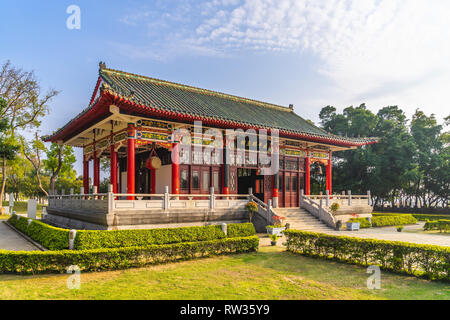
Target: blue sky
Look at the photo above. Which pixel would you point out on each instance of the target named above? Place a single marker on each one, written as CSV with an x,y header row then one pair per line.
x,y
310,53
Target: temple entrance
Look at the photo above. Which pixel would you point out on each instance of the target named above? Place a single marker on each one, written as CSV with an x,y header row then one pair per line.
x,y
248,178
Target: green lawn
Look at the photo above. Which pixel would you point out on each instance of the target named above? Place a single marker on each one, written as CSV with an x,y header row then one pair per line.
x,y
269,274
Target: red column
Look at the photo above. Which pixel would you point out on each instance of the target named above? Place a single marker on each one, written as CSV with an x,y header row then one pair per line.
x,y
131,160
97,172
153,181
329,176
113,168
307,176
225,172
175,168
86,174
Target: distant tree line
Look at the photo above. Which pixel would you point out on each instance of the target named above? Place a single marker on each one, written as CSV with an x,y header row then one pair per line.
x,y
410,163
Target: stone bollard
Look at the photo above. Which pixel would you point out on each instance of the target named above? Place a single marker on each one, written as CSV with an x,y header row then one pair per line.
x,y
29,221
225,228
72,235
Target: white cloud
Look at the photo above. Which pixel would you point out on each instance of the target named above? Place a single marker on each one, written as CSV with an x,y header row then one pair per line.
x,y
375,51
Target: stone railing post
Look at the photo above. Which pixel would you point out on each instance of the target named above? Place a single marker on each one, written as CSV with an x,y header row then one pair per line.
x,y
212,198
250,191
166,198
349,197
269,210
94,197
369,198
110,199
327,199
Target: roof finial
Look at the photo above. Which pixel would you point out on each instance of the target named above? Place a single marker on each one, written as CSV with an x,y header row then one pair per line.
x,y
102,65
291,106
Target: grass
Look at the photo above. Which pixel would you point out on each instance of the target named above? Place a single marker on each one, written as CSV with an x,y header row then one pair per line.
x,y
269,274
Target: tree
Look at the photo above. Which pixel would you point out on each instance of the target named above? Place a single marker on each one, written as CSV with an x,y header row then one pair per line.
x,y
59,162
22,107
32,151
8,147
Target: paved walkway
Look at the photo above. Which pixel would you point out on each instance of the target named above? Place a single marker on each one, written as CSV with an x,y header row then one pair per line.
x,y
11,240
386,233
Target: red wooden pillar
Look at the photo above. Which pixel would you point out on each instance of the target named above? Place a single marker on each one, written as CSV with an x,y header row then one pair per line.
x,y
86,174
96,172
153,181
113,168
131,161
307,176
329,175
175,168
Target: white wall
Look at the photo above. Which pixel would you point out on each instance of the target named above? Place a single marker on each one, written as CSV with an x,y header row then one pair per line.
x,y
124,183
163,178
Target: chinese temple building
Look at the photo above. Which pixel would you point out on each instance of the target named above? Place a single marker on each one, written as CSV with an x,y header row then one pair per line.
x,y
132,120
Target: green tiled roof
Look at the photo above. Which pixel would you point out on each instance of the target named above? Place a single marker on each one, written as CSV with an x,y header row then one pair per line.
x,y
194,101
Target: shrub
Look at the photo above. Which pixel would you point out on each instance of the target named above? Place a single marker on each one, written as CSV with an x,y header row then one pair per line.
x,y
33,262
393,220
50,237
400,228
419,217
415,259
441,225
335,207
58,239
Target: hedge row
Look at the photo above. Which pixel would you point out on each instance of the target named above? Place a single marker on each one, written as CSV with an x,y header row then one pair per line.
x,y
441,225
385,220
415,259
50,237
394,220
58,239
420,217
86,239
34,262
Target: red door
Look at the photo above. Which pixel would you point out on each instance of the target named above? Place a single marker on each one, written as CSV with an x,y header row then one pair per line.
x,y
291,189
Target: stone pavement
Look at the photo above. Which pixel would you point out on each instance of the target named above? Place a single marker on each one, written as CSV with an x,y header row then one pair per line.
x,y
11,240
386,233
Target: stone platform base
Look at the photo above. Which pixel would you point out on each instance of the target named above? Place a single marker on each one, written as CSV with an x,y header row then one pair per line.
x,y
142,220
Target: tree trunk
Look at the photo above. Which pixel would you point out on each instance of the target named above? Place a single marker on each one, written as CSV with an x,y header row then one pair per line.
x,y
56,172
2,192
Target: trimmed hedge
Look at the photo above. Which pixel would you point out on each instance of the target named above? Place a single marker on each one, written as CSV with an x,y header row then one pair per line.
x,y
393,220
48,236
87,239
420,217
34,262
441,225
430,261
58,239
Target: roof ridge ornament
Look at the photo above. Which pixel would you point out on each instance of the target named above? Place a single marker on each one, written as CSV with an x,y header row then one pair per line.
x,y
102,65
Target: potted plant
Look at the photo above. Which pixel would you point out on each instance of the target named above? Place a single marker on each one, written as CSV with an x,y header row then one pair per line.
x,y
353,224
399,228
334,207
277,226
274,239
251,207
